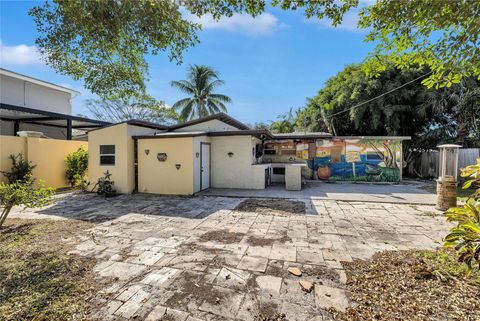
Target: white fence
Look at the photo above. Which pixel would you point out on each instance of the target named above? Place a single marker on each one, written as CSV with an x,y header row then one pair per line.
x,y
426,166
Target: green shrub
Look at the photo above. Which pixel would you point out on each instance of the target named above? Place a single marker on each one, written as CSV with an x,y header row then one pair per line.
x,y
21,169
77,165
465,237
24,192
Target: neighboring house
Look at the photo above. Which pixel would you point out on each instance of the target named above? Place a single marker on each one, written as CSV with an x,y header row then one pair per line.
x,y
219,151
29,104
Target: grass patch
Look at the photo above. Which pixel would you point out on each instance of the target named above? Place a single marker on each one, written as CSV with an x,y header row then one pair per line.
x,y
411,285
38,281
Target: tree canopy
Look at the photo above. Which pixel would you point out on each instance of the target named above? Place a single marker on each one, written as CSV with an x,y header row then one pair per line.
x,y
202,100
429,116
104,42
142,108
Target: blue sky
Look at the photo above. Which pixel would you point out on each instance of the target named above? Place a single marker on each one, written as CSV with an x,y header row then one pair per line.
x,y
269,64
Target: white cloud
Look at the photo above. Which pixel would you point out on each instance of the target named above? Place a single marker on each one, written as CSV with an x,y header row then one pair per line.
x,y
19,55
349,21
261,25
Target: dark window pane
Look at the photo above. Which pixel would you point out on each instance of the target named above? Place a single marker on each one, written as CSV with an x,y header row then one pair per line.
x,y
107,149
107,160
279,170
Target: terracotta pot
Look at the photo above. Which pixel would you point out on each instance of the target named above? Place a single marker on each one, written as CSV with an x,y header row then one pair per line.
x,y
324,172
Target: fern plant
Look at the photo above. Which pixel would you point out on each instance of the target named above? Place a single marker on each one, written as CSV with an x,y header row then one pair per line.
x,y
465,237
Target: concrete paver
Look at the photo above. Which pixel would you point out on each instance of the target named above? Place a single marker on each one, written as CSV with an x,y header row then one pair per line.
x,y
151,250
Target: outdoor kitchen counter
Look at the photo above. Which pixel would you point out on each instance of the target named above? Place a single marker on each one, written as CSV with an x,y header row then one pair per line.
x,y
293,176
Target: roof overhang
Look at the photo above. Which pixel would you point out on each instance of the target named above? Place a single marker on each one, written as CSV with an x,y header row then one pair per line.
x,y
46,118
261,134
375,137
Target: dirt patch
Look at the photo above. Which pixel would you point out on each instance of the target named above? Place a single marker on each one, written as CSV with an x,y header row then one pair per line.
x,y
322,273
38,279
261,241
268,311
221,236
192,289
271,206
411,285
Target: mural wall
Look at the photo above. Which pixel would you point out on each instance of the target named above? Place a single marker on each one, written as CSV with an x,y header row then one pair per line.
x,y
367,160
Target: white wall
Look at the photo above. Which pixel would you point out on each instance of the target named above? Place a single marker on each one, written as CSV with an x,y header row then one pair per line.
x,y
25,94
238,171
209,126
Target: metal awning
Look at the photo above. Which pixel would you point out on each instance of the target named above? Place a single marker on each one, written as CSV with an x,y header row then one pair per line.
x,y
18,114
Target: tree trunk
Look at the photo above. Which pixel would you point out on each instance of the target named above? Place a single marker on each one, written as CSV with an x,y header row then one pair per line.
x,y
4,214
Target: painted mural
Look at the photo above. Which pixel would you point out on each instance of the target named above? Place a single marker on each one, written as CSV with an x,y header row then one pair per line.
x,y
366,160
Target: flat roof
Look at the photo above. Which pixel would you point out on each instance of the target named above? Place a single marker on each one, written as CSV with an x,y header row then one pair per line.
x,y
375,137
46,118
302,135
256,133
37,81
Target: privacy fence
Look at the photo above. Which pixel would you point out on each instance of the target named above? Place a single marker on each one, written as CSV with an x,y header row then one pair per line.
x,y
47,154
426,166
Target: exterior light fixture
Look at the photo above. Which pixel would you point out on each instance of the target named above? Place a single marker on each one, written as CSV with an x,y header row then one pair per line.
x,y
177,166
147,151
230,154
197,154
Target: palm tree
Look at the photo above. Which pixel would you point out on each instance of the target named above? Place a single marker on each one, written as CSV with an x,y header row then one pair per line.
x,y
200,84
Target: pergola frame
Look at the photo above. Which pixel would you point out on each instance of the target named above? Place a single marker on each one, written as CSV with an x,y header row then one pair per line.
x,y
47,118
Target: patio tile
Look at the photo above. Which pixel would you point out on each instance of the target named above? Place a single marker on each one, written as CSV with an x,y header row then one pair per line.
x,y
147,253
269,283
122,270
227,304
252,263
330,297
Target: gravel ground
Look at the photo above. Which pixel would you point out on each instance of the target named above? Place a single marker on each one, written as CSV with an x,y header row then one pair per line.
x,y
411,285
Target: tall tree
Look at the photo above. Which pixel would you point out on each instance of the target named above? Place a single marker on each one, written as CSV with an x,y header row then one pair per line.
x,y
285,122
202,101
144,108
104,42
348,105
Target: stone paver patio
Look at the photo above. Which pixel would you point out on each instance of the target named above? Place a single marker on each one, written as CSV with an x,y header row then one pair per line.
x,y
195,258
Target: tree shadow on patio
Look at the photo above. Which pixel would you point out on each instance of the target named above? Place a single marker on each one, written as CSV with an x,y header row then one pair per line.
x,y
94,208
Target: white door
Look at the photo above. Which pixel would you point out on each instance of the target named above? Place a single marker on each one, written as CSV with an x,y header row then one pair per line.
x,y
205,166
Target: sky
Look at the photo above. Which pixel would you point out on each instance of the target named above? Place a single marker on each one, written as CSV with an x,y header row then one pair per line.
x,y
269,64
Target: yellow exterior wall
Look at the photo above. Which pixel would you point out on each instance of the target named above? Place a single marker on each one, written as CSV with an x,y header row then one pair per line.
x,y
10,145
163,177
123,170
47,154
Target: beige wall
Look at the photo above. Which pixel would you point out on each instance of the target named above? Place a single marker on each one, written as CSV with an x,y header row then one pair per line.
x,y
209,126
123,172
163,177
47,154
10,145
238,171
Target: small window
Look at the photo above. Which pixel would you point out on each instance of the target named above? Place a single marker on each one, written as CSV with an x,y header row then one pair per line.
x,y
107,154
